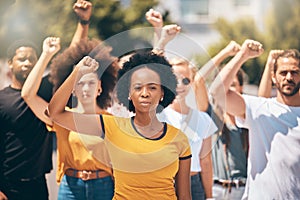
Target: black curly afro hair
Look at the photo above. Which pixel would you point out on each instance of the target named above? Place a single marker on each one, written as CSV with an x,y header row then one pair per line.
x,y
152,61
62,65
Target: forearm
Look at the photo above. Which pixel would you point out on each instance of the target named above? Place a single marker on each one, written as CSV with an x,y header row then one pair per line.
x,y
201,94
81,33
213,64
207,175
265,86
61,96
33,81
225,77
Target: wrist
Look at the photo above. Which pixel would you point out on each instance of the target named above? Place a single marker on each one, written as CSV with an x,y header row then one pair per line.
x,y
84,22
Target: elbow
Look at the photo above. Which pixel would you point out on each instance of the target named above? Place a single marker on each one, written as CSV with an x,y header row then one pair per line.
x,y
25,96
51,112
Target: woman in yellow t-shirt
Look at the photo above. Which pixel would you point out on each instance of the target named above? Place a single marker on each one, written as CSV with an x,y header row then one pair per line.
x,y
150,159
80,175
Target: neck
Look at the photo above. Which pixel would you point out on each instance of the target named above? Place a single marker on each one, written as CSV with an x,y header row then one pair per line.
x,y
88,109
145,119
289,100
16,84
148,126
229,118
180,106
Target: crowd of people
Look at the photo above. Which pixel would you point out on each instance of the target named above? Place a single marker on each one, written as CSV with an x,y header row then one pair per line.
x,y
125,128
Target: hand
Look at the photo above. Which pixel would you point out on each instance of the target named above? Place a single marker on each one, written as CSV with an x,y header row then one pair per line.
x,y
3,196
154,18
168,33
51,45
232,48
83,9
87,65
251,49
273,54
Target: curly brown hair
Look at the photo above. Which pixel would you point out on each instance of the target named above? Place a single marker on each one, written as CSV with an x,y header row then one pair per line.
x,y
62,65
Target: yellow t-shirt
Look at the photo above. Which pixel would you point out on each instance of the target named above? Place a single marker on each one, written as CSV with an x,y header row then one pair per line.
x,y
76,151
143,168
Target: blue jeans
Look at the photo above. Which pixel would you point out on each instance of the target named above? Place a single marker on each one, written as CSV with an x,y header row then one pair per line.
x,y
197,189
72,188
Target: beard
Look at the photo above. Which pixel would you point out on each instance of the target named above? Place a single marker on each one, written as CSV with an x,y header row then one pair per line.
x,y
21,77
289,93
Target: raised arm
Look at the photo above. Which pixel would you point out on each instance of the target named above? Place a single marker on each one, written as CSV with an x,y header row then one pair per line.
x,y
168,33
51,46
199,80
82,123
83,10
265,85
155,19
230,101
230,50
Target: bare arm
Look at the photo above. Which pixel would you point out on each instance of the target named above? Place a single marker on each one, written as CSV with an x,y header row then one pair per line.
x,y
78,122
3,196
183,180
199,80
230,101
155,19
83,10
206,167
51,45
168,33
265,85
230,50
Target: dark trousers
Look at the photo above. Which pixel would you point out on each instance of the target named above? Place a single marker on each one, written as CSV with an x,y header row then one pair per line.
x,y
26,189
197,189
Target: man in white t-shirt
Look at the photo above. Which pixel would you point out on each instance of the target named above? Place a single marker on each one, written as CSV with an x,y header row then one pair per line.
x,y
273,123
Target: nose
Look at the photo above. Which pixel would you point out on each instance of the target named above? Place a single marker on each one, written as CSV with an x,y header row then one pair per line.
x,y
145,92
85,87
289,76
27,62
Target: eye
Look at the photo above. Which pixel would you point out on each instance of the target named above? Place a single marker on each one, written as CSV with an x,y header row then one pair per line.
x,y
80,84
92,83
283,73
295,73
137,88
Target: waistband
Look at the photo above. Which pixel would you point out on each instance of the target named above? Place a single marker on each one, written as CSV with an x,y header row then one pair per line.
x,y
86,174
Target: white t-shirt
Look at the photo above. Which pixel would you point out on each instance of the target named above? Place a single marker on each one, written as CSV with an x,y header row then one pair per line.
x,y
199,127
274,154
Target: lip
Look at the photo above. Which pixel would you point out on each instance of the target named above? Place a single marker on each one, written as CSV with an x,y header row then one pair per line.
x,y
24,68
289,85
86,95
145,103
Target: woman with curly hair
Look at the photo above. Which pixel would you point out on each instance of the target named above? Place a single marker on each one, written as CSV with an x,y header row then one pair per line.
x,y
79,173
148,157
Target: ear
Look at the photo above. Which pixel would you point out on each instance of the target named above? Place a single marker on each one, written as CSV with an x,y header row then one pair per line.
x,y
10,64
273,79
99,86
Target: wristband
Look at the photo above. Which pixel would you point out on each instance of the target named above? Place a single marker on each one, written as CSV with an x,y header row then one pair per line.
x,y
84,22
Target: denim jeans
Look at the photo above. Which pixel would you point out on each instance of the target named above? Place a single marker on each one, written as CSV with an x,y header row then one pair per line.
x,y
197,187
72,188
